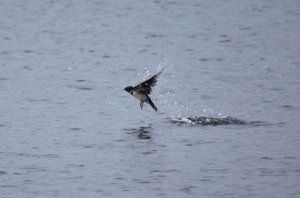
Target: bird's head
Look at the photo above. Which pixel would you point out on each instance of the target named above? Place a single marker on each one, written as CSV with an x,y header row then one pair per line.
x,y
129,89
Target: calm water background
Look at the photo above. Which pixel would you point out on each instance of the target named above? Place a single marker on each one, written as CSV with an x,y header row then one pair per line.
x,y
67,128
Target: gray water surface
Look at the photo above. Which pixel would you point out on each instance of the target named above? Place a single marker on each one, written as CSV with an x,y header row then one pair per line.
x,y
67,128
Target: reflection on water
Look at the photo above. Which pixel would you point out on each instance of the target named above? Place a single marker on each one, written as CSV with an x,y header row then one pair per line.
x,y
142,133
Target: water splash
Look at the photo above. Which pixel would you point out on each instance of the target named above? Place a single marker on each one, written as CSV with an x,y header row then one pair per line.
x,y
162,65
214,121
148,72
178,113
208,121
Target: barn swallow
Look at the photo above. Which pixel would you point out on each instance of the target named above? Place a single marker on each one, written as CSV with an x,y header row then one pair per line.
x,y
143,90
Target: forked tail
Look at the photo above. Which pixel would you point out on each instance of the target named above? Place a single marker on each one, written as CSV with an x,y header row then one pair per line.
x,y
151,103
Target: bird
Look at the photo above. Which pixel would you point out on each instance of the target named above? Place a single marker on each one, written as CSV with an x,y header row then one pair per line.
x,y
143,90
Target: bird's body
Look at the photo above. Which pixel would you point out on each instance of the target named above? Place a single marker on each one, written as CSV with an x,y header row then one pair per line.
x,y
139,95
142,91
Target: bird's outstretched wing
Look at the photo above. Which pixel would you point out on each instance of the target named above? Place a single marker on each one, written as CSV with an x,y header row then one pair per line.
x,y
147,85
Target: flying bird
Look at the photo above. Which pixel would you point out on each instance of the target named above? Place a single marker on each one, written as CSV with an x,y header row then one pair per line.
x,y
143,90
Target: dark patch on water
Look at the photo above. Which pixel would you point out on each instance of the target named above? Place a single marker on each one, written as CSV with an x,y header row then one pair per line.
x,y
83,88
75,129
36,100
143,50
204,59
50,156
207,97
244,28
3,79
290,107
267,158
187,189
8,186
105,56
214,121
154,35
224,41
7,38
5,52
27,67
287,106
28,51
3,173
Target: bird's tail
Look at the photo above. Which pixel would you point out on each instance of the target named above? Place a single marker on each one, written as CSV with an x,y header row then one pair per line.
x,y
151,103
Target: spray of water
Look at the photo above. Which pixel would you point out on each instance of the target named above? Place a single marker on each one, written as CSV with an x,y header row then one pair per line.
x,y
167,100
171,107
173,110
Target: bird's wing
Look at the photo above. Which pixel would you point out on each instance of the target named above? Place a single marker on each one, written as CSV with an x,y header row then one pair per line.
x,y
147,85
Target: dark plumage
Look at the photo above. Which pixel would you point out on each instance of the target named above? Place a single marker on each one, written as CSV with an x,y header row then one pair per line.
x,y
143,90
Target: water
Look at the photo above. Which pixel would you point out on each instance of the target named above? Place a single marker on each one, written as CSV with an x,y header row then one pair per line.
x,y
69,130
